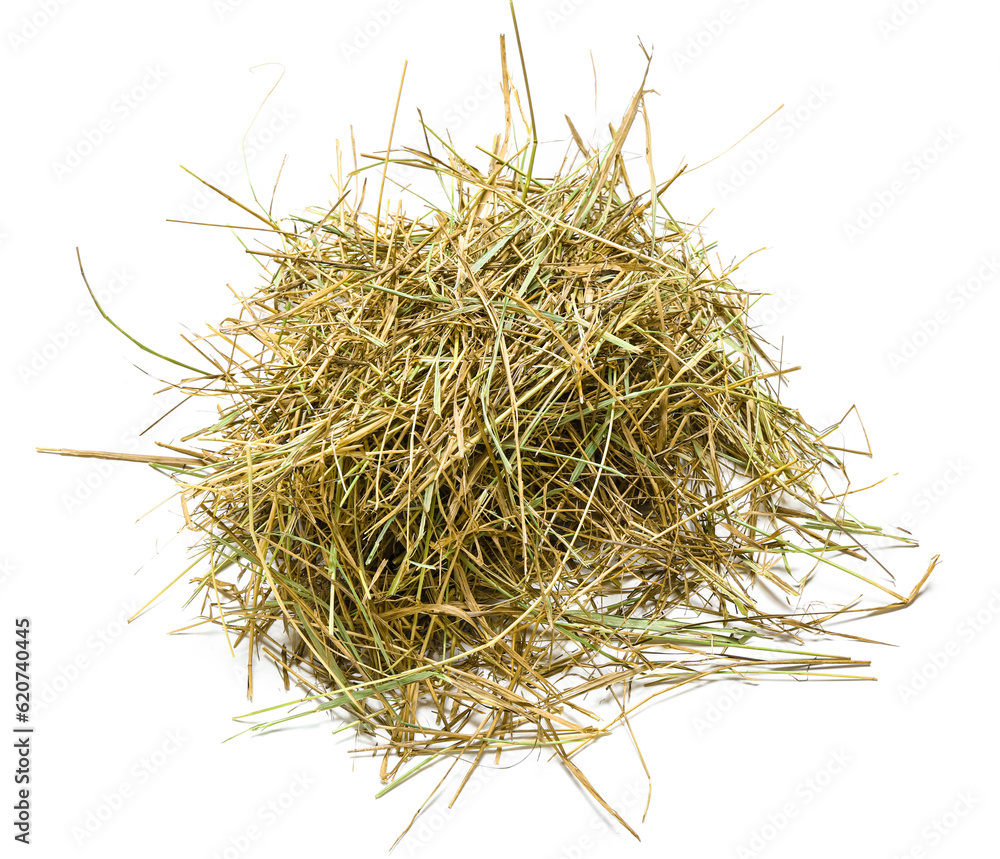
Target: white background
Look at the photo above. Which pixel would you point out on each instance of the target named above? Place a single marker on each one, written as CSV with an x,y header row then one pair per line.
x,y
130,722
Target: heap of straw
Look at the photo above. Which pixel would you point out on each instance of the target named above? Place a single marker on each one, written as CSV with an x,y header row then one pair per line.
x,y
476,464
